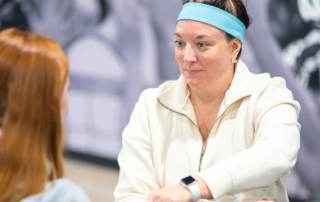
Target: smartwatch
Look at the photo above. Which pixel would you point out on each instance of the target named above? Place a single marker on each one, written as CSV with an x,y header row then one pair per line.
x,y
193,186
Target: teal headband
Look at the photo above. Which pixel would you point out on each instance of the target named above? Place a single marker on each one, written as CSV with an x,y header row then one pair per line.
x,y
213,16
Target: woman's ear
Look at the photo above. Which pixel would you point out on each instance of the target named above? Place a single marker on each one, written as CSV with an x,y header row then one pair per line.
x,y
235,47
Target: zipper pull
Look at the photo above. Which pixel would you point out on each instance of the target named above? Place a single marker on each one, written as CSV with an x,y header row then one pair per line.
x,y
202,153
201,157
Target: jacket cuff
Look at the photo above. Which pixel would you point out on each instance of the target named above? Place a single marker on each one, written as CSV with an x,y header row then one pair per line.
x,y
218,180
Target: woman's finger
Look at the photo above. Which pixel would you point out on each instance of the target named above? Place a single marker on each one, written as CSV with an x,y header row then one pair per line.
x,y
149,199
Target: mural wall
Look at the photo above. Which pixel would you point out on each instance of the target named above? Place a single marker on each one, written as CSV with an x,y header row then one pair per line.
x,y
117,48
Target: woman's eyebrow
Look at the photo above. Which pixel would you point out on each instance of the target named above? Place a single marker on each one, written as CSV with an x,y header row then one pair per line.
x,y
176,34
198,37
202,36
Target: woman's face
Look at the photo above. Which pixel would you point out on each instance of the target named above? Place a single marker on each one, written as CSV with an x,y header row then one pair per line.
x,y
204,55
65,100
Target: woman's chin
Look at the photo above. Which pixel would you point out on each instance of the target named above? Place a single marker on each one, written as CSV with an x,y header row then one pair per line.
x,y
194,83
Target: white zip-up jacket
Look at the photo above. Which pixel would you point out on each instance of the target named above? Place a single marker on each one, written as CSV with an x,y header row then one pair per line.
x,y
250,149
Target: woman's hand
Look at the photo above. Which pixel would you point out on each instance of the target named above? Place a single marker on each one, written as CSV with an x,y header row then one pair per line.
x,y
262,200
176,193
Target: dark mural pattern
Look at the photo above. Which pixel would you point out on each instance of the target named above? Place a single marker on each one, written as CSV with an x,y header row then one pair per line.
x,y
117,48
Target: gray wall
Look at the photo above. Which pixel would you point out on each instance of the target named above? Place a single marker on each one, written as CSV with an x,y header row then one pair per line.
x,y
117,48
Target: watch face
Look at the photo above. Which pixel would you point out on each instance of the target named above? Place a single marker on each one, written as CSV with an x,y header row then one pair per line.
x,y
188,180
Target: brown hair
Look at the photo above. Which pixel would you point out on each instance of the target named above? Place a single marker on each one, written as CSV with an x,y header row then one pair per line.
x,y
234,7
33,71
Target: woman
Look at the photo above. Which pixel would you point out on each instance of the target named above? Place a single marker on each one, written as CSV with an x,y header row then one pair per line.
x,y
219,132
33,104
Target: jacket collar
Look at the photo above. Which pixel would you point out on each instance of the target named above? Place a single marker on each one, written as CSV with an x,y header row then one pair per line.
x,y
176,97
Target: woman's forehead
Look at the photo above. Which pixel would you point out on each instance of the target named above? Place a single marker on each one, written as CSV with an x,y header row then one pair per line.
x,y
189,28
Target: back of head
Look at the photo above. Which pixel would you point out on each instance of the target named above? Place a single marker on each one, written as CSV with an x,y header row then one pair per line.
x,y
33,70
234,7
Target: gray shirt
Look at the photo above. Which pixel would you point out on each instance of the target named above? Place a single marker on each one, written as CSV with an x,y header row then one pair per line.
x,y
62,191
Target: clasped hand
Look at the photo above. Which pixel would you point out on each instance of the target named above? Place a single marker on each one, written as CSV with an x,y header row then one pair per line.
x,y
178,193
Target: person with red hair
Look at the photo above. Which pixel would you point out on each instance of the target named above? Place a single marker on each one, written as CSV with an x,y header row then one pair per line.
x,y
33,105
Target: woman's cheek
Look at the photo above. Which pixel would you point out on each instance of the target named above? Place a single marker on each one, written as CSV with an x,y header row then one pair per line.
x,y
180,57
214,57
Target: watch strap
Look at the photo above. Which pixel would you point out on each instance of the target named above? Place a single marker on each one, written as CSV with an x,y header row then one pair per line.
x,y
195,191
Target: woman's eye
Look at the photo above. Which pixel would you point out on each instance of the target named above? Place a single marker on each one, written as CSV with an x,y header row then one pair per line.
x,y
202,45
179,43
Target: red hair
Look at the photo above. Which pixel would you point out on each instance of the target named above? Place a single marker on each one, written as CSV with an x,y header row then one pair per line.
x,y
33,72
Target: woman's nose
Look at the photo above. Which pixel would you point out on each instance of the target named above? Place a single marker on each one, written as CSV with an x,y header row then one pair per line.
x,y
189,54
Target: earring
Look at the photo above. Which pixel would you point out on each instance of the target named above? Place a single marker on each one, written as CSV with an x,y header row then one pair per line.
x,y
234,60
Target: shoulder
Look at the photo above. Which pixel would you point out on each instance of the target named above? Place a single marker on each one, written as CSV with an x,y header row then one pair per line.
x,y
151,95
272,92
62,184
272,89
62,190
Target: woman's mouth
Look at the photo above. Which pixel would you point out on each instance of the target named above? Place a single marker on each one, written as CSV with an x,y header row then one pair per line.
x,y
192,72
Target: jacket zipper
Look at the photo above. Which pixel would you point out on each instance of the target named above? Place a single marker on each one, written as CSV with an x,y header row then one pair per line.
x,y
202,152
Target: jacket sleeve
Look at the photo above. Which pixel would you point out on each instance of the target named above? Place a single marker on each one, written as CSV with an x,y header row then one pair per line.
x,y
137,173
276,141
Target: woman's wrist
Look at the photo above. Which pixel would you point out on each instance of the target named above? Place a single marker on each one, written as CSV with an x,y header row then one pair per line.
x,y
205,191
